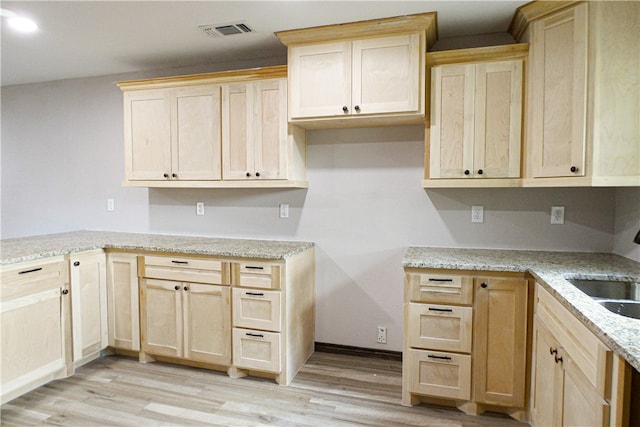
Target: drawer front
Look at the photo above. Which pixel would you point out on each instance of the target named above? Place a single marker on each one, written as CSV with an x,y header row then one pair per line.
x,y
446,375
440,327
184,269
256,309
256,275
26,278
257,350
589,354
440,288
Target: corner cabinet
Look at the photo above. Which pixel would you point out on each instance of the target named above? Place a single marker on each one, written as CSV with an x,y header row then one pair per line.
x,y
474,138
36,325
576,379
123,301
465,340
373,74
583,98
226,129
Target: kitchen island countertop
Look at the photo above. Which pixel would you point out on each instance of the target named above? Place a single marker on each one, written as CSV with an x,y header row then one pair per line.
x,y
36,247
551,270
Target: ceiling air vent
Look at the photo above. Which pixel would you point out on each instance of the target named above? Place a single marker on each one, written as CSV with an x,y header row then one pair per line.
x,y
221,30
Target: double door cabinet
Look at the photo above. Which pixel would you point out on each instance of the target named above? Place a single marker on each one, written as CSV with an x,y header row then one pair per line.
x,y
212,130
465,341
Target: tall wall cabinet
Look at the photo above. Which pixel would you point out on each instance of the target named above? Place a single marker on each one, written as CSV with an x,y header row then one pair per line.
x,y
226,129
583,98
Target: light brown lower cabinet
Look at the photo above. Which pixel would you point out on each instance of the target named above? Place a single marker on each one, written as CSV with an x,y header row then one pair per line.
x,y
36,325
123,301
576,379
465,340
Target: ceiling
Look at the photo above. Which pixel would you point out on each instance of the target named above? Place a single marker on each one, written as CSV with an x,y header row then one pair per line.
x,y
93,38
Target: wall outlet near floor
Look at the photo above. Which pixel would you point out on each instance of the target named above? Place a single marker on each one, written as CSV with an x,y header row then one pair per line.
x,y
199,208
557,214
382,334
111,205
477,213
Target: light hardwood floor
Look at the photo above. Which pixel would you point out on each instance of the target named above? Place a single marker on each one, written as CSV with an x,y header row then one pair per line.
x,y
330,390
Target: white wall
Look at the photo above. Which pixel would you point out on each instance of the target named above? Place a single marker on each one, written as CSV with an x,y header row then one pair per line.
x,y
627,223
62,157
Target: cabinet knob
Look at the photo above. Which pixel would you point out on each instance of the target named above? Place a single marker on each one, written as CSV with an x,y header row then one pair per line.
x,y
574,169
65,291
176,287
166,175
345,109
357,108
483,285
480,171
553,351
173,175
467,172
186,288
558,359
257,173
248,174
76,263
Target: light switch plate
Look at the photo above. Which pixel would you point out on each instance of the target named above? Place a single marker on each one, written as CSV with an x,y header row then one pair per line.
x,y
199,208
111,205
284,210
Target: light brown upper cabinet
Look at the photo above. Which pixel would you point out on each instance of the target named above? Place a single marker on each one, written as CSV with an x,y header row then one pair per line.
x,y
359,74
474,138
225,129
255,137
583,103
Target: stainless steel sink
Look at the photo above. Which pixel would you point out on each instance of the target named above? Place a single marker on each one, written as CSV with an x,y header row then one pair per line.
x,y
625,307
617,296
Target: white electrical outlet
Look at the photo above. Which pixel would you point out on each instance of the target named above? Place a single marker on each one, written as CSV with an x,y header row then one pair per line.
x,y
382,334
111,205
477,213
557,214
284,210
199,208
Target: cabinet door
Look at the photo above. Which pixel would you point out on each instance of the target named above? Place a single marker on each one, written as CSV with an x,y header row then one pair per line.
x,y
207,323
147,137
500,341
257,309
497,118
446,375
237,133
452,130
88,304
440,327
582,405
270,129
196,142
161,319
546,378
386,75
122,296
257,350
557,95
320,80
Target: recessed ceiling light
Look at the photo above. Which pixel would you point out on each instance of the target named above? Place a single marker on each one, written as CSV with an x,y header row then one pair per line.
x,y
19,23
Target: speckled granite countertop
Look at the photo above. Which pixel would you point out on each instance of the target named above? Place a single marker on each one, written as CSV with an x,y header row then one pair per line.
x,y
36,247
551,269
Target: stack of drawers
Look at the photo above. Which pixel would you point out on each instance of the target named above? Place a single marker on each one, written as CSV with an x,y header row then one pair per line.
x,y
439,321
257,317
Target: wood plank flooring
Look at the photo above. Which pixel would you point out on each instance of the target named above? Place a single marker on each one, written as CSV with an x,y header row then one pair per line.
x,y
330,390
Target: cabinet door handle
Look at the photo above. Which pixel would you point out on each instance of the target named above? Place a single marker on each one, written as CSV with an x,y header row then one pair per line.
x,y
255,294
467,171
76,263
249,334
248,174
345,109
553,351
444,310
176,287
33,270
431,279
252,267
484,285
186,288
173,175
431,356
65,291
180,262
166,175
480,171
257,173
558,359
574,169
357,108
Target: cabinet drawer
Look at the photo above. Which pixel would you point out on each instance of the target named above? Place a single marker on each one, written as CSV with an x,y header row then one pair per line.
x,y
257,350
184,269
589,354
440,327
256,275
256,309
26,278
440,288
439,374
